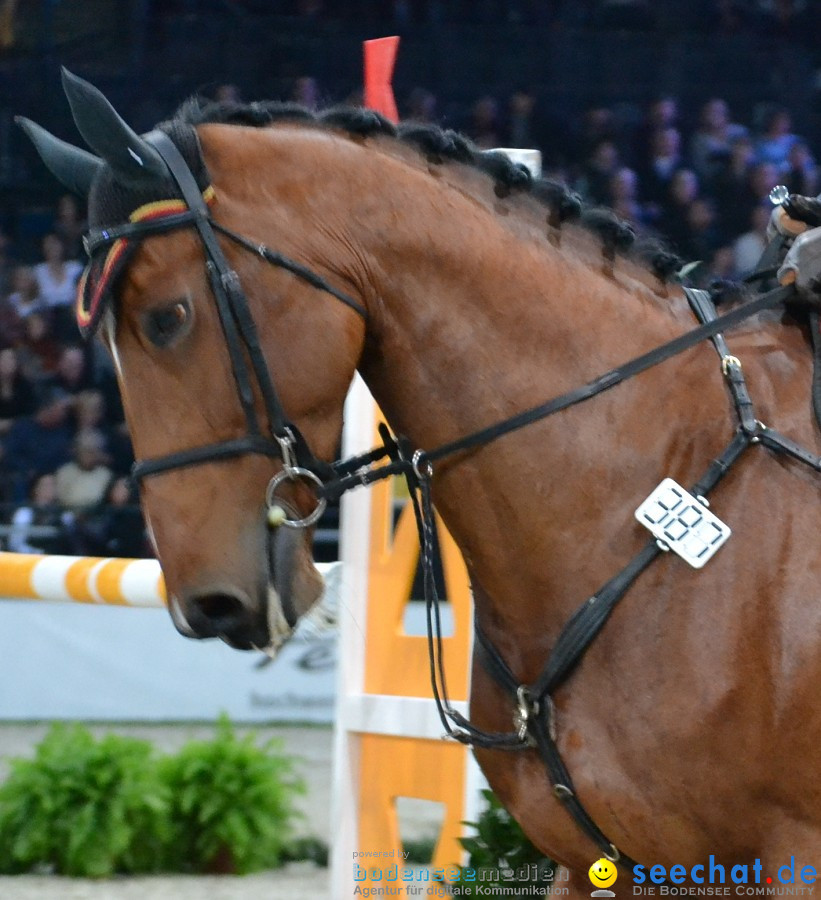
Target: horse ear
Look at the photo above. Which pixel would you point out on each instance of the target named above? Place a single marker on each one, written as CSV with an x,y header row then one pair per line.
x,y
132,158
74,167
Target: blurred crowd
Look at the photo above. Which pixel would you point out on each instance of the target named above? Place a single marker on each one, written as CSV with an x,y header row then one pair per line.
x,y
64,451
788,18
699,179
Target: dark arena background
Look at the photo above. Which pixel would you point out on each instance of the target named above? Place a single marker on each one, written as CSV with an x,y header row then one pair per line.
x,y
681,115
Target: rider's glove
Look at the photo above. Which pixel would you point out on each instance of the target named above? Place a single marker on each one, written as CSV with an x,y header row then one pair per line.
x,y
804,209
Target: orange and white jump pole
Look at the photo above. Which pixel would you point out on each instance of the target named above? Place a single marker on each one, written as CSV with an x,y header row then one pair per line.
x,y
83,579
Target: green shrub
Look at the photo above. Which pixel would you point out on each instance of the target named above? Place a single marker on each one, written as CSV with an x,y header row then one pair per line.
x,y
84,807
232,803
306,849
500,843
419,850
90,808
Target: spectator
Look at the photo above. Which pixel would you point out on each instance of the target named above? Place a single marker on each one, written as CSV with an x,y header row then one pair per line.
x,y
90,413
763,178
776,140
16,392
25,295
521,122
597,172
661,114
39,351
730,187
70,226
422,106
72,375
83,481
737,206
484,123
306,92
748,247
598,125
57,280
38,444
802,171
40,526
664,160
701,239
684,189
56,277
713,139
624,197
115,527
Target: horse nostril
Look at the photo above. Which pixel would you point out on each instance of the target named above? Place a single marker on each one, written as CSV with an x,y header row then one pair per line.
x,y
219,607
225,615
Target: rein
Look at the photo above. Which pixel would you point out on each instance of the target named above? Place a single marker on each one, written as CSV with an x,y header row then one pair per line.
x,y
358,472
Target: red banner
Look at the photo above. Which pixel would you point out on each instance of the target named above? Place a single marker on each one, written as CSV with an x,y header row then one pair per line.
x,y
380,56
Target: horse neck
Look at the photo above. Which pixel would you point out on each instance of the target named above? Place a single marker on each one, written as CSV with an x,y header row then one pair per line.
x,y
479,321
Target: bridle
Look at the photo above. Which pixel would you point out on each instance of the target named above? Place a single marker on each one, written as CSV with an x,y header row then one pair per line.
x,y
283,441
533,718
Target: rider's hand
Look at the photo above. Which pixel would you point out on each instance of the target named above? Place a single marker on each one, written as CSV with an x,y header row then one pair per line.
x,y
803,209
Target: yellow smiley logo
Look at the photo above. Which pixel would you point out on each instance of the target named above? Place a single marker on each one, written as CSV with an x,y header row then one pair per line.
x,y
602,873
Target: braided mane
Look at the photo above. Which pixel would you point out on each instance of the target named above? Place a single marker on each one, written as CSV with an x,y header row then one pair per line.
x,y
440,146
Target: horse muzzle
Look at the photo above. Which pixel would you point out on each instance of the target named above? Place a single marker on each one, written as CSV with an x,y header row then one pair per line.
x,y
222,612
262,616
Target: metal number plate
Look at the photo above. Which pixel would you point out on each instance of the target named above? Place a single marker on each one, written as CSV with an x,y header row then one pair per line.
x,y
683,524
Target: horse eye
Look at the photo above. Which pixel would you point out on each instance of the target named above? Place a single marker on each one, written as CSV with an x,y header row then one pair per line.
x,y
164,324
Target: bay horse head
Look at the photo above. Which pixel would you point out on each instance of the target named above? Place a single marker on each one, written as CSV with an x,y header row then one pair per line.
x,y
204,405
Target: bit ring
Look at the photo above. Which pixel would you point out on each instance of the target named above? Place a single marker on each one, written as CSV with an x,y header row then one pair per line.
x,y
291,473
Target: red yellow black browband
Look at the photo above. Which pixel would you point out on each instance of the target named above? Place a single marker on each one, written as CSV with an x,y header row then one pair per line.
x,y
97,280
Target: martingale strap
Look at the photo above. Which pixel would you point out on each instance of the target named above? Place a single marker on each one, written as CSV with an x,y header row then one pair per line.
x,y
535,717
534,720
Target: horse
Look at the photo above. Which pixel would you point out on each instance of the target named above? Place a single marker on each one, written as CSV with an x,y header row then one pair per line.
x,y
464,292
